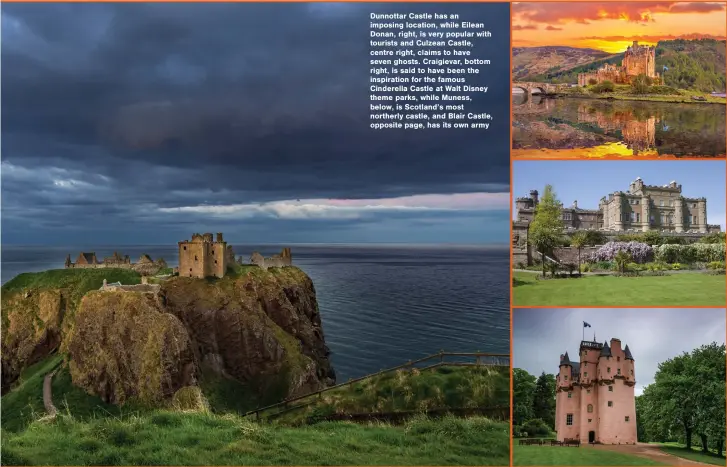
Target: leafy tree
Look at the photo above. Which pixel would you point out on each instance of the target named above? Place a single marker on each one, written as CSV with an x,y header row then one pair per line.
x,y
546,229
523,392
579,240
622,258
544,399
594,237
604,86
641,84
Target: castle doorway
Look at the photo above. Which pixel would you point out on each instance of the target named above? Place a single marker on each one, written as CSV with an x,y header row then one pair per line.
x,y
591,437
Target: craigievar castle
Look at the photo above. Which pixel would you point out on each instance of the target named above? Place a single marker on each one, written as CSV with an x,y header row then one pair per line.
x,y
638,60
595,397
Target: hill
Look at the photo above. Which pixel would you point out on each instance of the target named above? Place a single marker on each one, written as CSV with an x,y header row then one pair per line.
x,y
529,62
697,65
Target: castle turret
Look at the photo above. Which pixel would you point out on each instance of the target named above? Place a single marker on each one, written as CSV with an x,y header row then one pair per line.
x,y
679,214
702,215
567,400
646,212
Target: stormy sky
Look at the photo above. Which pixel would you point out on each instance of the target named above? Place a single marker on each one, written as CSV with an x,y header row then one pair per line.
x,y
143,123
653,335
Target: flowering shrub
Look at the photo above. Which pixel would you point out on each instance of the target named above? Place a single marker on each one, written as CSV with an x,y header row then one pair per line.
x,y
639,252
696,252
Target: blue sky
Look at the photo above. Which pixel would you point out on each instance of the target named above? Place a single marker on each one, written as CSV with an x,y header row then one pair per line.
x,y
144,123
588,181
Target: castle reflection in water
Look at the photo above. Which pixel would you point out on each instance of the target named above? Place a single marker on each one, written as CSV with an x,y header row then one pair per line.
x,y
619,127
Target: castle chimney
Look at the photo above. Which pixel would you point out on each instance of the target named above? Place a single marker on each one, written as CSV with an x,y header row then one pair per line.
x,y
534,197
219,238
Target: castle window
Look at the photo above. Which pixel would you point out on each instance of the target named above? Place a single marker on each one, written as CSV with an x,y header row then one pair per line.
x,y
610,389
590,420
565,377
195,257
638,217
570,394
608,370
588,391
618,359
590,408
632,372
585,375
610,403
633,217
190,269
215,261
618,370
626,418
662,203
185,248
569,419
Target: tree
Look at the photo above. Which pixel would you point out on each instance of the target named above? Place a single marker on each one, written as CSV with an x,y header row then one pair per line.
x,y
641,84
622,257
523,392
546,229
579,240
708,368
544,399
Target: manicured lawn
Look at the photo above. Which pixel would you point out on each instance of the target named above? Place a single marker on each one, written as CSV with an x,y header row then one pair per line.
x,y
695,454
585,455
685,289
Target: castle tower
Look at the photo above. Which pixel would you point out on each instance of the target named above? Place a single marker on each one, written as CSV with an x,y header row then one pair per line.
x,y
617,403
702,215
595,399
567,402
202,257
618,216
679,214
589,353
534,197
646,212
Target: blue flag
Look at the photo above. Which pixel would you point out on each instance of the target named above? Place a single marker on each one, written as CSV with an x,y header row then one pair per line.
x,y
586,325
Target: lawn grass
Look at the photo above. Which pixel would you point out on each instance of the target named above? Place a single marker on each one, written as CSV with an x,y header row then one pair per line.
x,y
169,438
694,454
557,455
685,289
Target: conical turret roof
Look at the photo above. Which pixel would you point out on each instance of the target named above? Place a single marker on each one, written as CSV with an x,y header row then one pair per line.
x,y
627,352
606,350
564,360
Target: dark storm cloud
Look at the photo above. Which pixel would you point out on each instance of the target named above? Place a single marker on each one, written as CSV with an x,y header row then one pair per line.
x,y
114,109
242,93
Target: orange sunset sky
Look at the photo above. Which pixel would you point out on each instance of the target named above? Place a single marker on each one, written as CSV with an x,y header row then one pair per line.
x,y
612,27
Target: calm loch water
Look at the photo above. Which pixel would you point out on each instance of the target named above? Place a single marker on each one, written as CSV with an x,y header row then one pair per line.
x,y
594,128
381,305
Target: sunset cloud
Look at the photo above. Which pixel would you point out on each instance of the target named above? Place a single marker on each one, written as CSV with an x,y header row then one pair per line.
x,y
618,23
639,12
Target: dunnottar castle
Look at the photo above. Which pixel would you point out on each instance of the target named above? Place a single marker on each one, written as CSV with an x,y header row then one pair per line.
x,y
638,60
642,208
202,256
595,396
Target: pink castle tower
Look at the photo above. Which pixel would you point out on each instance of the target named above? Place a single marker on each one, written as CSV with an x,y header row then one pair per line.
x,y
595,399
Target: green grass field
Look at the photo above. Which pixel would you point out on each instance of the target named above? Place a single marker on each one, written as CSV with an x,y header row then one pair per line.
x,y
677,289
88,431
694,454
555,455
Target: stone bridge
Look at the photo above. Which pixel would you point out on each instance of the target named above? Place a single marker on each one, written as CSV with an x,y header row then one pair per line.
x,y
539,88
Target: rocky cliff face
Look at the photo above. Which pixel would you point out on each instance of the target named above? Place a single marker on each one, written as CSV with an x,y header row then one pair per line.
x,y
261,329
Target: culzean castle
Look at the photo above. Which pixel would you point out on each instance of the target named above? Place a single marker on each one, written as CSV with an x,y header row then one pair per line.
x,y
642,208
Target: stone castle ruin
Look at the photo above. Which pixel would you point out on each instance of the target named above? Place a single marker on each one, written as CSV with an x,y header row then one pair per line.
x,y
638,60
285,258
144,287
204,256
145,265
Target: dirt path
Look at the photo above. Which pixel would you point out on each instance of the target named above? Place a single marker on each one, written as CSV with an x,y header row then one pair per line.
x,y
47,395
649,451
